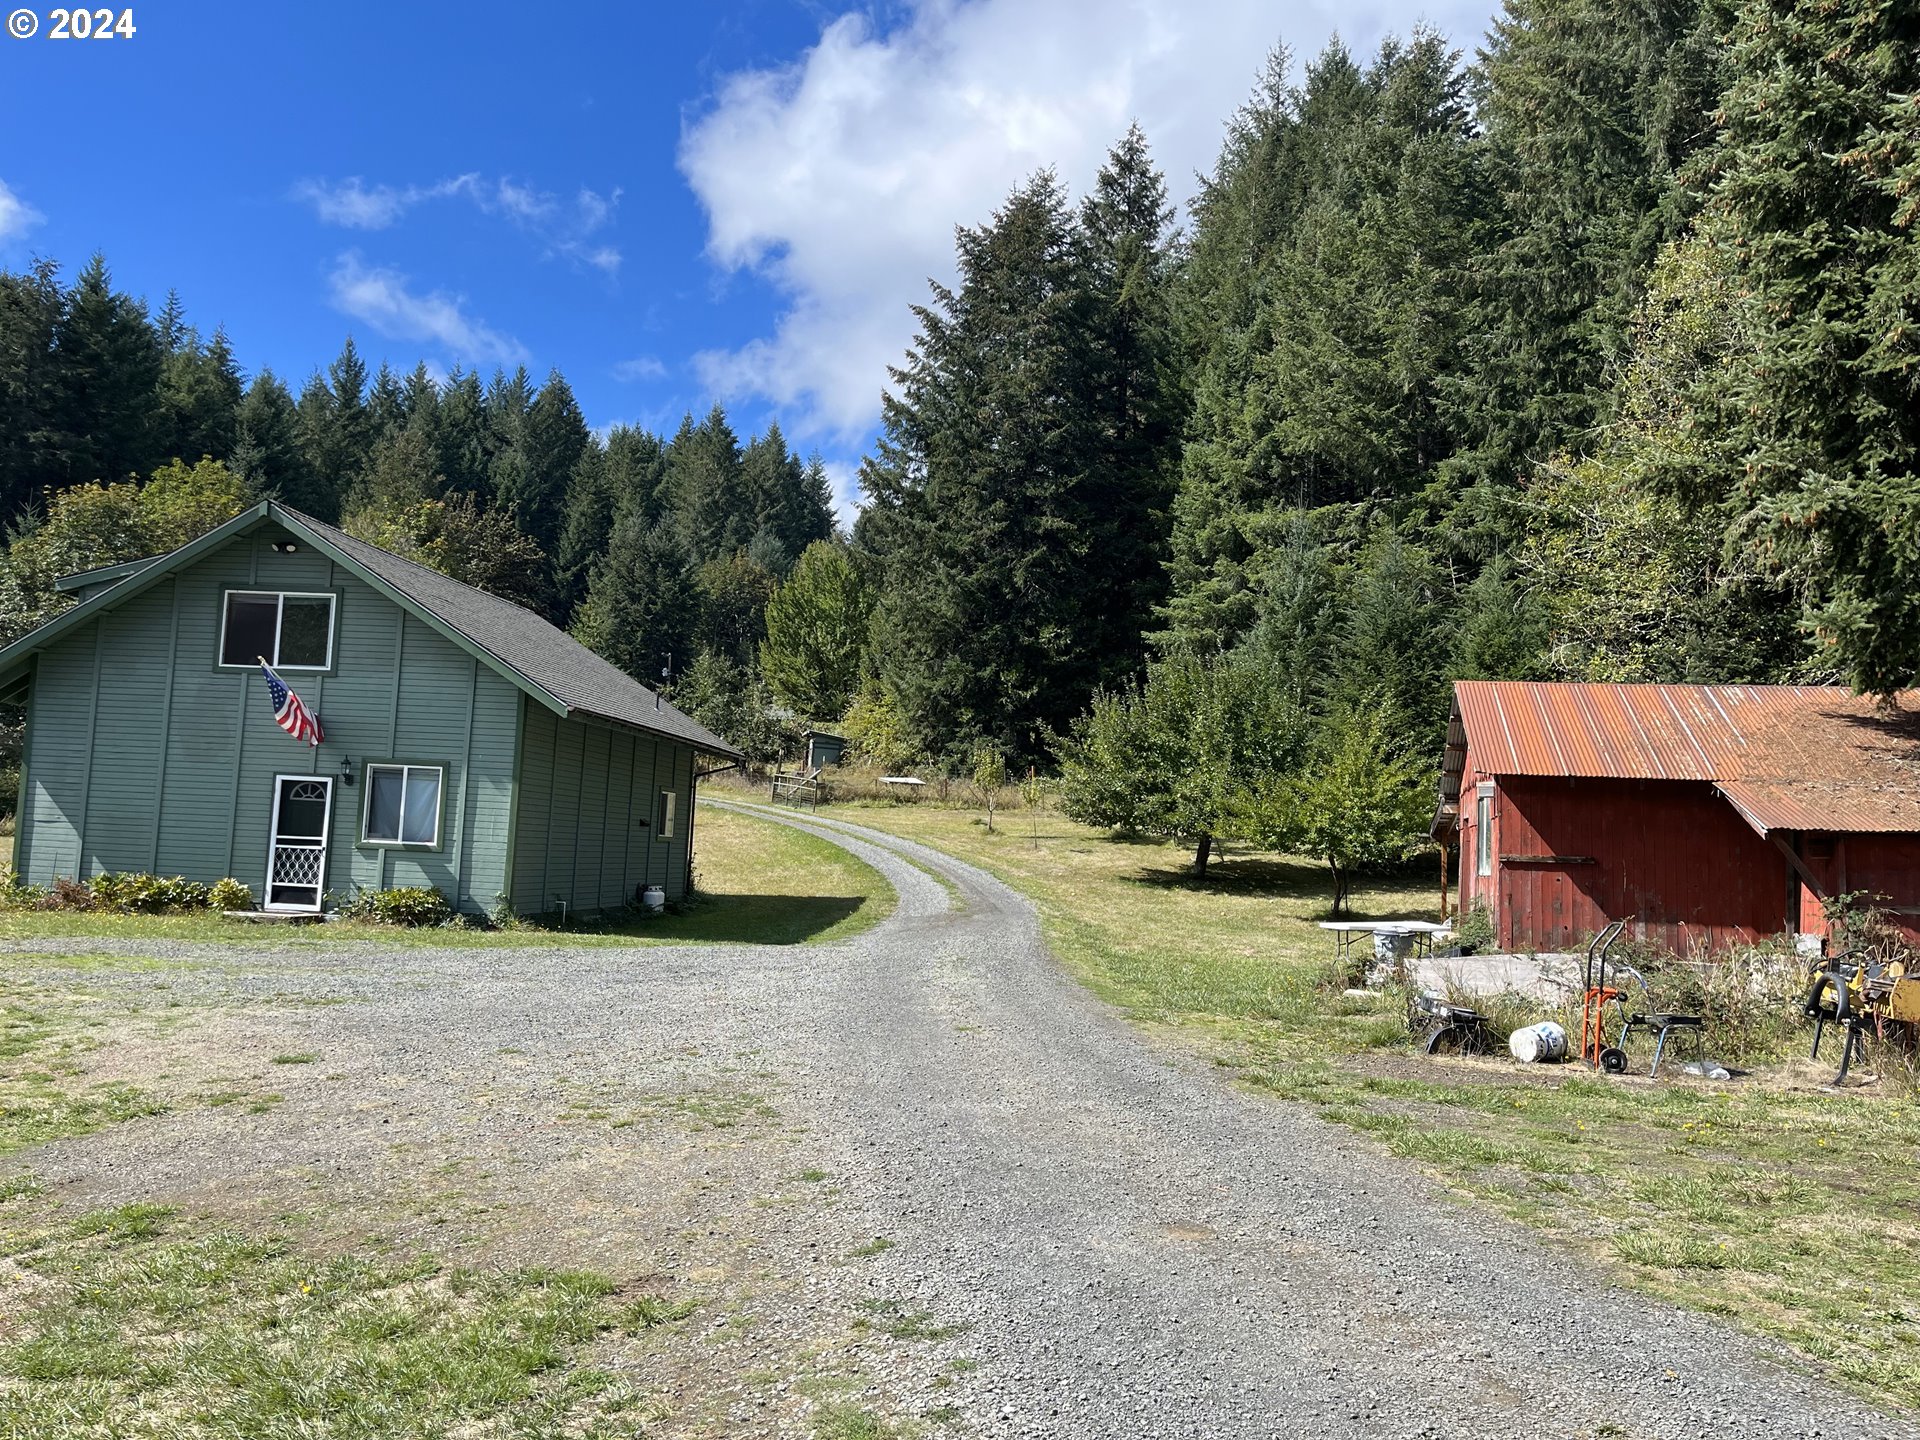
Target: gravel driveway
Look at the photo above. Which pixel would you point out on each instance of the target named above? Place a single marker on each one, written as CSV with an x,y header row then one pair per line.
x,y
1123,1243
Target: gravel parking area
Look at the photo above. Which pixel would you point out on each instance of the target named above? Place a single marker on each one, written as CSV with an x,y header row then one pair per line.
x,y
1091,1236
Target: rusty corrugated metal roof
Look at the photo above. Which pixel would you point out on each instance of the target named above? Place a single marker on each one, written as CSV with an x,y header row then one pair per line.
x,y
1770,805
1798,753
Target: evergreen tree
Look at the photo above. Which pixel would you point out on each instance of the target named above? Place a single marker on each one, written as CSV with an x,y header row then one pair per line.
x,y
403,470
982,513
706,491
350,443
386,406
1135,394
171,323
1814,179
200,391
642,604
1339,381
636,473
1393,641
320,451
510,478
556,438
792,502
267,453
33,448
588,524
464,436
1298,594
109,360
620,478
1592,108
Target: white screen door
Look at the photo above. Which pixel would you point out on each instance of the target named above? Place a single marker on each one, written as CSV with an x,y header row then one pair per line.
x,y
297,856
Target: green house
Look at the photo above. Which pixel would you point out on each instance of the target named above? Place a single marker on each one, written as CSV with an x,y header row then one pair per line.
x,y
469,745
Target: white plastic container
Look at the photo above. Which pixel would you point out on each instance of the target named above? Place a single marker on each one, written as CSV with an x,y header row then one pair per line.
x,y
654,898
1538,1044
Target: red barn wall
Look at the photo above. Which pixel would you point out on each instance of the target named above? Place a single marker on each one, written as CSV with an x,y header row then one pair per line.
x,y
1671,858
1885,869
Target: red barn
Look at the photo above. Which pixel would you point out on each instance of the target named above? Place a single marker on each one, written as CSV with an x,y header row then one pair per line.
x,y
1703,815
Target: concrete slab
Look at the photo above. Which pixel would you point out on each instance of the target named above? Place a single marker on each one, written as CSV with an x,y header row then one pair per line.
x,y
1550,977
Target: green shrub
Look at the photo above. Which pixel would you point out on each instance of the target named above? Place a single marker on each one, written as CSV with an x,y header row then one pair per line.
x,y
16,894
138,894
1473,931
230,894
404,905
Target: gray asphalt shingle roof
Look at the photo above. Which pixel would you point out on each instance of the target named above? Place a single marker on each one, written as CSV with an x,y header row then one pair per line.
x,y
543,653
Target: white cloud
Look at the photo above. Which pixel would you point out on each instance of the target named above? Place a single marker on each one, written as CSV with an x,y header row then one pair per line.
x,y
840,177
641,367
359,206
16,216
844,475
384,299
564,227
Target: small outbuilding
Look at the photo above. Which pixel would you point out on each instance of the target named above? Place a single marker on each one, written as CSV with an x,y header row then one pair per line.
x,y
1702,815
824,748
464,743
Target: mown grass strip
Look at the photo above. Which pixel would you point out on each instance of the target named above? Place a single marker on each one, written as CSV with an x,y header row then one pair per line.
x,y
140,1323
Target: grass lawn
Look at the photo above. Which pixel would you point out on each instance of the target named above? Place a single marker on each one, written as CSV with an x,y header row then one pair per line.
x,y
147,1325
758,883
1789,1209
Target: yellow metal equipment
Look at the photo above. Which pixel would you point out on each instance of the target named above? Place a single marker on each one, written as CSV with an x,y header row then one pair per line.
x,y
1860,992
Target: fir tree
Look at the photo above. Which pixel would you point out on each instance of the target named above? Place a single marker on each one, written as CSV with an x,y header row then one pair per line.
x,y
351,441
320,452
1592,108
642,604
556,438
33,448
1135,394
267,453
200,391
463,434
983,516
706,493
733,607
109,361
1815,176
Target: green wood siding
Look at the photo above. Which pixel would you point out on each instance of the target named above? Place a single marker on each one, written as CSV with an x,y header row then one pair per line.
x,y
588,803
143,755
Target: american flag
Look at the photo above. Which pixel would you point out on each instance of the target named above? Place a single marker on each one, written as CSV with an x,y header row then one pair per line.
x,y
288,713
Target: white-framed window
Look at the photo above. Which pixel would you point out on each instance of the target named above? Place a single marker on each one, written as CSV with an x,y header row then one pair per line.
x,y
289,629
403,805
1483,833
669,804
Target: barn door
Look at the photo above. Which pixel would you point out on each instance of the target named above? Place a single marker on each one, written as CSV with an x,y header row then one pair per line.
x,y
297,854
1539,901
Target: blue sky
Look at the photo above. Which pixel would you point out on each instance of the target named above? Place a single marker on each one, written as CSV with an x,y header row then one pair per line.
x,y
672,203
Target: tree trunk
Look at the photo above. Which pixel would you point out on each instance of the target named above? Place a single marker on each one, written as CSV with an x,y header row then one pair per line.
x,y
1339,890
1201,853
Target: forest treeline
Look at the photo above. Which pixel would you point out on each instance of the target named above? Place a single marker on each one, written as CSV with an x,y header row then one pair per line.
x,y
126,433
1591,356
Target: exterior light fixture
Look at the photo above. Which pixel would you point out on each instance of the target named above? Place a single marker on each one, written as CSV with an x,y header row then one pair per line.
x,y
346,771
